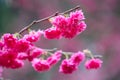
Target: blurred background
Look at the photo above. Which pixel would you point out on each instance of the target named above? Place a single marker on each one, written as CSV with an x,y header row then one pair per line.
x,y
102,35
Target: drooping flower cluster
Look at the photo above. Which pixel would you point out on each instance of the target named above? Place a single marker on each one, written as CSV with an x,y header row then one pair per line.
x,y
70,65
67,27
41,65
14,50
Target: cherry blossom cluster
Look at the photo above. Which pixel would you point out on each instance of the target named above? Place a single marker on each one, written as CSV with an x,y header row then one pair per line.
x,y
15,48
66,26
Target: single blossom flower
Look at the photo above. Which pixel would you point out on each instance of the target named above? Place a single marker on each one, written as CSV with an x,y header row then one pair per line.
x,y
8,59
78,57
93,64
33,36
17,64
67,67
34,53
40,65
55,57
9,40
52,33
22,45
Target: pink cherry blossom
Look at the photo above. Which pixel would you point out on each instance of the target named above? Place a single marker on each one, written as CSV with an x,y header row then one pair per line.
x,y
67,67
93,64
76,16
8,59
9,40
22,45
33,36
22,56
81,26
36,52
40,65
17,64
77,57
52,33
69,26
59,21
55,57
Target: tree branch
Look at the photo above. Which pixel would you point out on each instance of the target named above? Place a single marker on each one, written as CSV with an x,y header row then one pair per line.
x,y
46,18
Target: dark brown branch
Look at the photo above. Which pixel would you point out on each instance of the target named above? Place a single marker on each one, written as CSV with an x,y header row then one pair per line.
x,y
40,20
70,10
37,21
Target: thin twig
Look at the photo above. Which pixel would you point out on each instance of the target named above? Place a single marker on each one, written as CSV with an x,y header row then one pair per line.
x,y
70,10
46,18
36,21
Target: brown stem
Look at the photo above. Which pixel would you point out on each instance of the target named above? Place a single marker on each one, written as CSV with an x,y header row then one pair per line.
x,y
70,10
40,20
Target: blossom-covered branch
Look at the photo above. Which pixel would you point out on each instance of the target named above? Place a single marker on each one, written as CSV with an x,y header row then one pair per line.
x,y
14,49
38,21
